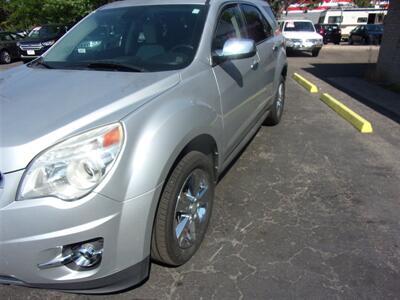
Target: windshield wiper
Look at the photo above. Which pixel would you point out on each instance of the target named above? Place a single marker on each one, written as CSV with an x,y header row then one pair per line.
x,y
113,66
39,62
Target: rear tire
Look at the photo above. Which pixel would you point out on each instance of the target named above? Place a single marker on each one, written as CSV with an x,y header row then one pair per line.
x,y
315,52
5,57
276,111
184,210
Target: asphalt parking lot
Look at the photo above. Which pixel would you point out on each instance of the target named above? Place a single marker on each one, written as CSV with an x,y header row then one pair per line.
x,y
310,209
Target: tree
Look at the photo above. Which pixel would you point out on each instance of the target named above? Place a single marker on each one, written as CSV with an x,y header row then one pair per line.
x,y
279,6
23,14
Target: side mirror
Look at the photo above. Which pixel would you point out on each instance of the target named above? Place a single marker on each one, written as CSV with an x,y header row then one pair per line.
x,y
236,49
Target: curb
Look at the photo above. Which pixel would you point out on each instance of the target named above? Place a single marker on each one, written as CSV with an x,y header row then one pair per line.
x,y
312,88
346,113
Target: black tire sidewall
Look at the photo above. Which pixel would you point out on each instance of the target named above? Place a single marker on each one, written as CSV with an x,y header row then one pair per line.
x,y
274,117
197,160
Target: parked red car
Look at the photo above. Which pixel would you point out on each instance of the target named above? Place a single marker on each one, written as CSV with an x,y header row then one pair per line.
x,y
331,33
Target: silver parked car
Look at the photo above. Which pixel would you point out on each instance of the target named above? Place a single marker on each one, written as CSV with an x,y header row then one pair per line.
x,y
112,142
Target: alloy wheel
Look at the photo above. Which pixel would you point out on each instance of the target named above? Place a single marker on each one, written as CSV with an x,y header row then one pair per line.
x,y
191,209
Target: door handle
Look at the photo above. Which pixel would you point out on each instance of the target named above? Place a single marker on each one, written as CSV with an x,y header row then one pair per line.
x,y
254,65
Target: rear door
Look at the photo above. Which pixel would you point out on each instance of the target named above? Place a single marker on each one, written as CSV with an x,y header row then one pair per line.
x,y
239,81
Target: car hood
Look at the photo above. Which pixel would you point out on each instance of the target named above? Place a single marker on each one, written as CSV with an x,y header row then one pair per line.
x,y
39,107
29,40
301,35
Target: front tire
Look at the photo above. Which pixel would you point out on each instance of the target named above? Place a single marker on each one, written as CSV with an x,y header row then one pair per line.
x,y
315,52
184,210
276,111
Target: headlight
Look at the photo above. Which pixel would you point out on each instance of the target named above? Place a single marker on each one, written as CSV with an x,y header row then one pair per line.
x,y
293,41
49,43
73,168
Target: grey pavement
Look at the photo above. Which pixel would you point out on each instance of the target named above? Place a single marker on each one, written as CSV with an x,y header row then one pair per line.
x,y
13,65
310,210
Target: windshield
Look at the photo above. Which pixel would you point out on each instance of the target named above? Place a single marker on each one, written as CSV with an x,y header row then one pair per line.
x,y
44,32
299,26
375,28
139,38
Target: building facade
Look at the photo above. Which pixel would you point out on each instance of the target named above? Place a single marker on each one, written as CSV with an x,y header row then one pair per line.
x,y
389,56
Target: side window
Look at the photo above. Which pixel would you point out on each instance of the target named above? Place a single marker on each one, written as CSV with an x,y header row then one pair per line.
x,y
362,20
6,38
229,26
258,29
271,14
335,19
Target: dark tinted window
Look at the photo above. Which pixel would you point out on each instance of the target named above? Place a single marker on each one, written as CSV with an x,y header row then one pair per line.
x,y
331,27
146,38
374,27
229,26
5,37
335,19
271,14
258,29
46,31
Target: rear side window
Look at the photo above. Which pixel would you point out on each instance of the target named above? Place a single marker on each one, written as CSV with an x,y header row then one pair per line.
x,y
271,14
229,26
335,19
5,38
258,29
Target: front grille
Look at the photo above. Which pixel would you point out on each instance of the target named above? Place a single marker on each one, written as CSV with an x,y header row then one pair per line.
x,y
31,46
313,41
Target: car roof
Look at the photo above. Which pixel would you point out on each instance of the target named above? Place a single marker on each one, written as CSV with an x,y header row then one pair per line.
x,y
295,20
127,3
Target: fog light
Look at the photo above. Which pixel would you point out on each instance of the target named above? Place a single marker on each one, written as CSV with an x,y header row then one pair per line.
x,y
81,256
88,255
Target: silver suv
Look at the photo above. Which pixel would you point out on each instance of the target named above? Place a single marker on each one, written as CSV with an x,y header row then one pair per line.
x,y
112,141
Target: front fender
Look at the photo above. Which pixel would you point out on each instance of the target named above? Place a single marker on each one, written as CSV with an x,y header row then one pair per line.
x,y
158,132
281,63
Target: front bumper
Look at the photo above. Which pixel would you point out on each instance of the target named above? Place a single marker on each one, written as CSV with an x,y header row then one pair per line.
x,y
303,45
31,53
33,231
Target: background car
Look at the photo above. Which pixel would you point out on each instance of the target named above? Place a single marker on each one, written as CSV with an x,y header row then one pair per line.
x,y
8,47
39,40
331,33
366,34
300,35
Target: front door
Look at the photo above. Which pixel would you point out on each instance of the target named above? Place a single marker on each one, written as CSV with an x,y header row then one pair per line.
x,y
260,30
239,81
